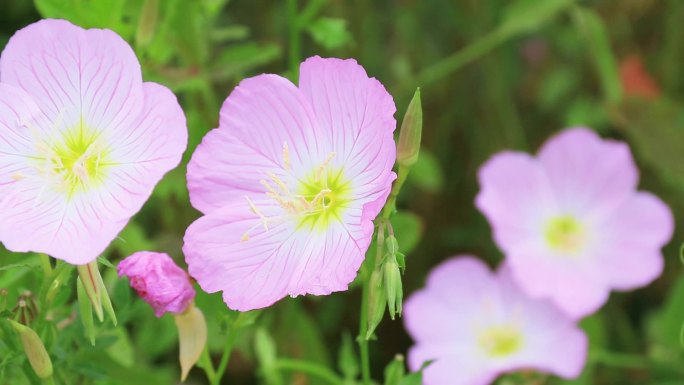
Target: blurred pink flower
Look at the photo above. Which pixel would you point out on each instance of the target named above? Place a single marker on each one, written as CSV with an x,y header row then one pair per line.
x,y
159,281
290,183
477,325
571,222
83,140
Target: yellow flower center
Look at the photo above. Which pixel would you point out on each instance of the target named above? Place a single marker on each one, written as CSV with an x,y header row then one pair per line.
x,y
75,162
500,340
565,234
318,199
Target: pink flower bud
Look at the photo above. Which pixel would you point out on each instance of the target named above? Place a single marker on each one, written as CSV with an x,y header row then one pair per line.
x,y
159,281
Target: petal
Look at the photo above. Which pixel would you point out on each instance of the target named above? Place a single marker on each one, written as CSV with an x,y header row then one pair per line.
x,y
447,367
223,170
552,341
76,76
143,153
77,229
575,286
587,173
265,113
630,254
515,196
284,260
356,114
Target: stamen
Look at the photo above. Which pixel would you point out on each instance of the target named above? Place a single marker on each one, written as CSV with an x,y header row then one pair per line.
x,y
286,157
323,166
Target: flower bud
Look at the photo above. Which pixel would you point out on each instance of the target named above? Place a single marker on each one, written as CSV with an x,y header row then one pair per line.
x,y
35,350
192,337
158,281
411,132
393,286
377,300
90,278
148,22
395,371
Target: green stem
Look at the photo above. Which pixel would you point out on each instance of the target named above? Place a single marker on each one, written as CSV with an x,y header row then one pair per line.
x,y
207,366
459,59
225,358
363,323
46,265
391,204
369,266
309,368
295,38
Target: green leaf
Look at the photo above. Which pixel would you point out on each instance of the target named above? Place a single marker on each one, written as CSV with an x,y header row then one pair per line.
x,y
656,131
348,361
87,13
596,38
427,173
331,33
408,229
395,371
239,59
525,16
265,349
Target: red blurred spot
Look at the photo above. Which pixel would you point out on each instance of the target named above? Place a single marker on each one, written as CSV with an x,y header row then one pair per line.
x,y
636,81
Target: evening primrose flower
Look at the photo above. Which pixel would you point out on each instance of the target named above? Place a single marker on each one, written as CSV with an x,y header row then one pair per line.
x,y
290,183
83,140
571,222
476,325
158,281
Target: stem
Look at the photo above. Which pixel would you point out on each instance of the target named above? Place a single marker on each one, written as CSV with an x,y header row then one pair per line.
x,y
459,59
46,265
295,38
205,363
227,350
369,266
309,368
391,204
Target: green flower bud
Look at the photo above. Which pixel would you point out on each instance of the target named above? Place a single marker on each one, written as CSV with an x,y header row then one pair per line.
x,y
392,245
148,23
90,278
96,291
411,132
377,300
393,286
35,350
395,371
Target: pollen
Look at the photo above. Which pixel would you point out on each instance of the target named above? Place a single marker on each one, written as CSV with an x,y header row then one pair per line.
x,y
312,201
565,234
74,162
500,340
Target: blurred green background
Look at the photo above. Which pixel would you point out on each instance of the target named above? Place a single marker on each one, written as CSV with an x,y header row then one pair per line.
x,y
494,75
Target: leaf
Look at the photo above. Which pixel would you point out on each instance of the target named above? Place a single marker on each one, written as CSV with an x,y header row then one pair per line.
x,y
596,38
331,33
656,130
347,361
408,229
86,13
427,173
238,59
192,336
525,16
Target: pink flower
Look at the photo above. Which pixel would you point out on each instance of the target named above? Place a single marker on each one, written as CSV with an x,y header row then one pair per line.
x,y
290,183
571,222
83,140
476,325
159,281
